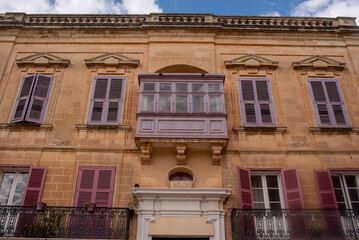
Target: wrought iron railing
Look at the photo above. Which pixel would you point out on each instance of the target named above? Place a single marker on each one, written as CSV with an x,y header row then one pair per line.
x,y
294,224
64,222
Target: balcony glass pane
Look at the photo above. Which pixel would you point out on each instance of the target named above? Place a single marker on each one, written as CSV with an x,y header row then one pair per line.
x,y
181,104
272,181
214,103
5,188
214,88
165,87
256,181
165,103
198,103
148,103
197,87
148,87
181,87
19,189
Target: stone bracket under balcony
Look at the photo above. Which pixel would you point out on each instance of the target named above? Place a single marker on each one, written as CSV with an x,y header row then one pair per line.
x,y
180,147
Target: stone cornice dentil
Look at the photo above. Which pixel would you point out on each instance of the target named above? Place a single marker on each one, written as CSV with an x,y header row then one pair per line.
x,y
155,20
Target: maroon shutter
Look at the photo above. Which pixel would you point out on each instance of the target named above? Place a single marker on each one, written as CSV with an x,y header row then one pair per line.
x,y
292,189
325,189
39,98
95,185
23,98
245,188
34,186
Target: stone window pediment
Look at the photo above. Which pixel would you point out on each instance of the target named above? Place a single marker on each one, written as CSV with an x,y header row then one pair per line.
x,y
319,66
42,62
252,64
112,59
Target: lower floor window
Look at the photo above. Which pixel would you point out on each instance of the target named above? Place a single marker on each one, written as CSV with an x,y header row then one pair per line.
x,y
12,187
346,190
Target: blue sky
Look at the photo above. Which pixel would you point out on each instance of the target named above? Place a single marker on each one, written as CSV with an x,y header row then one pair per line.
x,y
314,8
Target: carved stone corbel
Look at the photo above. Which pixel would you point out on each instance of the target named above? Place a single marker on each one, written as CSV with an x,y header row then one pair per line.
x,y
146,149
181,154
217,154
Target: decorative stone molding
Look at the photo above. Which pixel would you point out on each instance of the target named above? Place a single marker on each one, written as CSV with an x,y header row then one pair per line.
x,y
146,149
216,154
242,129
252,64
172,212
111,63
319,66
42,62
181,154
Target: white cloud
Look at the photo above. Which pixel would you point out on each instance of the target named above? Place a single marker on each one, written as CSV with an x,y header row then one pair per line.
x,y
81,6
275,14
328,8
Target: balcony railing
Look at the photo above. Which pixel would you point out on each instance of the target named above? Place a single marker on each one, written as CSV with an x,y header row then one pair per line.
x,y
64,222
294,224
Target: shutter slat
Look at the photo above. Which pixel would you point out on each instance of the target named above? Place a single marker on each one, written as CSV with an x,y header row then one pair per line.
x,y
332,91
250,113
339,114
34,186
292,189
323,113
318,92
265,113
100,88
262,91
325,189
245,188
23,99
247,90
115,89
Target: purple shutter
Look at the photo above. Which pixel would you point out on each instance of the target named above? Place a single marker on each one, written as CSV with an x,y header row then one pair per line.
x,y
292,189
23,98
245,188
39,98
247,97
325,189
95,185
328,103
34,186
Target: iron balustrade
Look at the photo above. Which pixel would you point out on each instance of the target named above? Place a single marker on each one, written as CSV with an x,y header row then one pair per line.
x,y
248,224
64,222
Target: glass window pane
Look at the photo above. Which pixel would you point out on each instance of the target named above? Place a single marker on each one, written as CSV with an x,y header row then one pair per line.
x,y
198,103
258,206
256,181
181,87
148,87
336,181
148,103
339,195
6,184
351,181
20,189
165,87
275,206
355,207
273,195
354,194
165,103
214,88
272,181
214,103
258,195
181,104
197,87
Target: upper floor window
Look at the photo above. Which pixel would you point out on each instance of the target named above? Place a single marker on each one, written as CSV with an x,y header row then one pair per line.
x,y
328,103
107,100
181,96
32,98
256,102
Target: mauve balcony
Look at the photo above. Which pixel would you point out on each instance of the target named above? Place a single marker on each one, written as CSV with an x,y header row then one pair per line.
x,y
181,111
294,224
64,222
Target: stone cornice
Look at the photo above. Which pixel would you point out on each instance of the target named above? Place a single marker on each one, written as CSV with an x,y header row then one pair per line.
x,y
155,20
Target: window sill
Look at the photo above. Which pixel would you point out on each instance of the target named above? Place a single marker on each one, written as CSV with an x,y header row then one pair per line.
x,y
332,129
100,127
243,129
25,125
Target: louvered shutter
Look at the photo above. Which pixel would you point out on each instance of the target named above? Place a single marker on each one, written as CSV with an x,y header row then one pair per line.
x,y
245,188
256,102
39,98
34,186
325,189
328,103
292,189
107,100
23,98
95,185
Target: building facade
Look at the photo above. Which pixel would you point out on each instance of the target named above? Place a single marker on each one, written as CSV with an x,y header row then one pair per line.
x,y
208,127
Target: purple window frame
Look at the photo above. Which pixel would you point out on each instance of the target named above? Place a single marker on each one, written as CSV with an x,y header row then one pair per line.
x,y
189,93
328,103
106,101
257,103
25,116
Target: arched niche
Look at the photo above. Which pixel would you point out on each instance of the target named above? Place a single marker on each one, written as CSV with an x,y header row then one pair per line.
x,y
181,68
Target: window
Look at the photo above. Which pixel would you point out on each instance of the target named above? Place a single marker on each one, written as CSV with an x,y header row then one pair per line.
x,y
328,103
256,102
181,97
21,186
107,100
32,99
95,185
